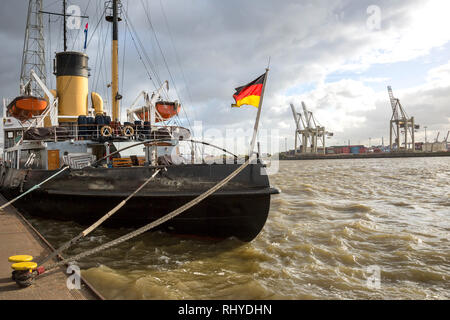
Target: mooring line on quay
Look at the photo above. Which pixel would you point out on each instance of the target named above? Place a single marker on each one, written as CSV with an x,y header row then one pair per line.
x,y
153,224
25,275
35,187
98,222
25,271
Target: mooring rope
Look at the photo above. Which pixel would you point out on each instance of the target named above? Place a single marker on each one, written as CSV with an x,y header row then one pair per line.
x,y
155,223
33,188
97,223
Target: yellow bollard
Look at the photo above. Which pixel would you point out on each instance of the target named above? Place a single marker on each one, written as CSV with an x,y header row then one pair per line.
x,y
20,258
24,266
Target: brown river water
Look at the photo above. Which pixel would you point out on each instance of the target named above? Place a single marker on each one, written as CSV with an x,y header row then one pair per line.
x,y
340,229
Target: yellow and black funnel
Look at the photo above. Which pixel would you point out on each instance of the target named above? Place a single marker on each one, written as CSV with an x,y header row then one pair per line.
x,y
72,74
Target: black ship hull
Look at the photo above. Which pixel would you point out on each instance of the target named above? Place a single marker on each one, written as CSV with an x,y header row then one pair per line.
x,y
238,210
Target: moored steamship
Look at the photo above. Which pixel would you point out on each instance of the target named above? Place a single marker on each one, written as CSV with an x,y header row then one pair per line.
x,y
42,135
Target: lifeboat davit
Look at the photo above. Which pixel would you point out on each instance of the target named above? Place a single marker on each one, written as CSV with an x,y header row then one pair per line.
x,y
166,109
26,107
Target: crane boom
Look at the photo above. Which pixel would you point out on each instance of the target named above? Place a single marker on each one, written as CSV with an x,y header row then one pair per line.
x,y
307,115
394,102
296,119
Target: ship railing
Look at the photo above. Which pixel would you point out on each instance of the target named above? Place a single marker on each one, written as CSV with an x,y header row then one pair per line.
x,y
126,131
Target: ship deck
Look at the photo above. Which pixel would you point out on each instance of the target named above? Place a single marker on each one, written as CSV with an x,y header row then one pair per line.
x,y
17,236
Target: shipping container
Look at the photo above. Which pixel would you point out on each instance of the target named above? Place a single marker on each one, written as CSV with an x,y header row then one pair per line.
x,y
354,150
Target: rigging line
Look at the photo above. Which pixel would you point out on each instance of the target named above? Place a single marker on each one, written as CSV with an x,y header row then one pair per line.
x,y
123,56
98,23
101,60
152,67
108,78
97,58
165,62
176,54
179,65
100,53
154,52
160,49
50,50
101,43
177,119
140,57
45,7
91,83
58,43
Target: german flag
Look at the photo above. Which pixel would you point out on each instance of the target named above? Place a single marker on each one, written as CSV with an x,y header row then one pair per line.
x,y
250,94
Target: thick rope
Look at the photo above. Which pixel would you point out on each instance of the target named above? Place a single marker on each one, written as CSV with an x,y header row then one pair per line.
x,y
98,222
33,188
155,223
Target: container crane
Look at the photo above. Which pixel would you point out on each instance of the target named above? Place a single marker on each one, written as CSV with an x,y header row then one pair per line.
x,y
309,131
402,127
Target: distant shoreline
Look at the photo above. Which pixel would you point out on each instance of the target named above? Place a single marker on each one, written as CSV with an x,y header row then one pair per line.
x,y
284,156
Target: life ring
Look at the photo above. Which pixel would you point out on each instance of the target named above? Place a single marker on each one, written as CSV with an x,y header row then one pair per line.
x,y
128,131
106,131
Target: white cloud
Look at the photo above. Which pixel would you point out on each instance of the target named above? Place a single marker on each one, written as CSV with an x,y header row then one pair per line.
x,y
376,80
439,76
339,105
407,32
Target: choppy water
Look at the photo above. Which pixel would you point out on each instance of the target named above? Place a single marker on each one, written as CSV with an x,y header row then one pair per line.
x,y
334,225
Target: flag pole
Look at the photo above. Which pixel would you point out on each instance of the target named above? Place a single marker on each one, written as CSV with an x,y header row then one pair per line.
x,y
258,115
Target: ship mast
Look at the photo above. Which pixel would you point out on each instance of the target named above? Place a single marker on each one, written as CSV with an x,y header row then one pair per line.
x,y
115,65
64,15
64,25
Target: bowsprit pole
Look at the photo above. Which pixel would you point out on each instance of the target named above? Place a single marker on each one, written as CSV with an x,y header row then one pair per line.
x,y
258,115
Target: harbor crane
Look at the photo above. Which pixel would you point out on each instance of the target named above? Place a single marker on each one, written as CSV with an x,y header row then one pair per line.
x,y
33,55
402,127
437,137
446,138
437,146
308,131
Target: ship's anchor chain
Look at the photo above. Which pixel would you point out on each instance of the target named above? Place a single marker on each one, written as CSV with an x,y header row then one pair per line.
x,y
149,226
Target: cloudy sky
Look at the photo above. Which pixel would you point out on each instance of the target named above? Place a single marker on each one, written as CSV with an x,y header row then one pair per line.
x,y
338,56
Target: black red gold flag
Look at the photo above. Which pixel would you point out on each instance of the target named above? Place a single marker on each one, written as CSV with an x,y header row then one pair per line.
x,y
250,94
